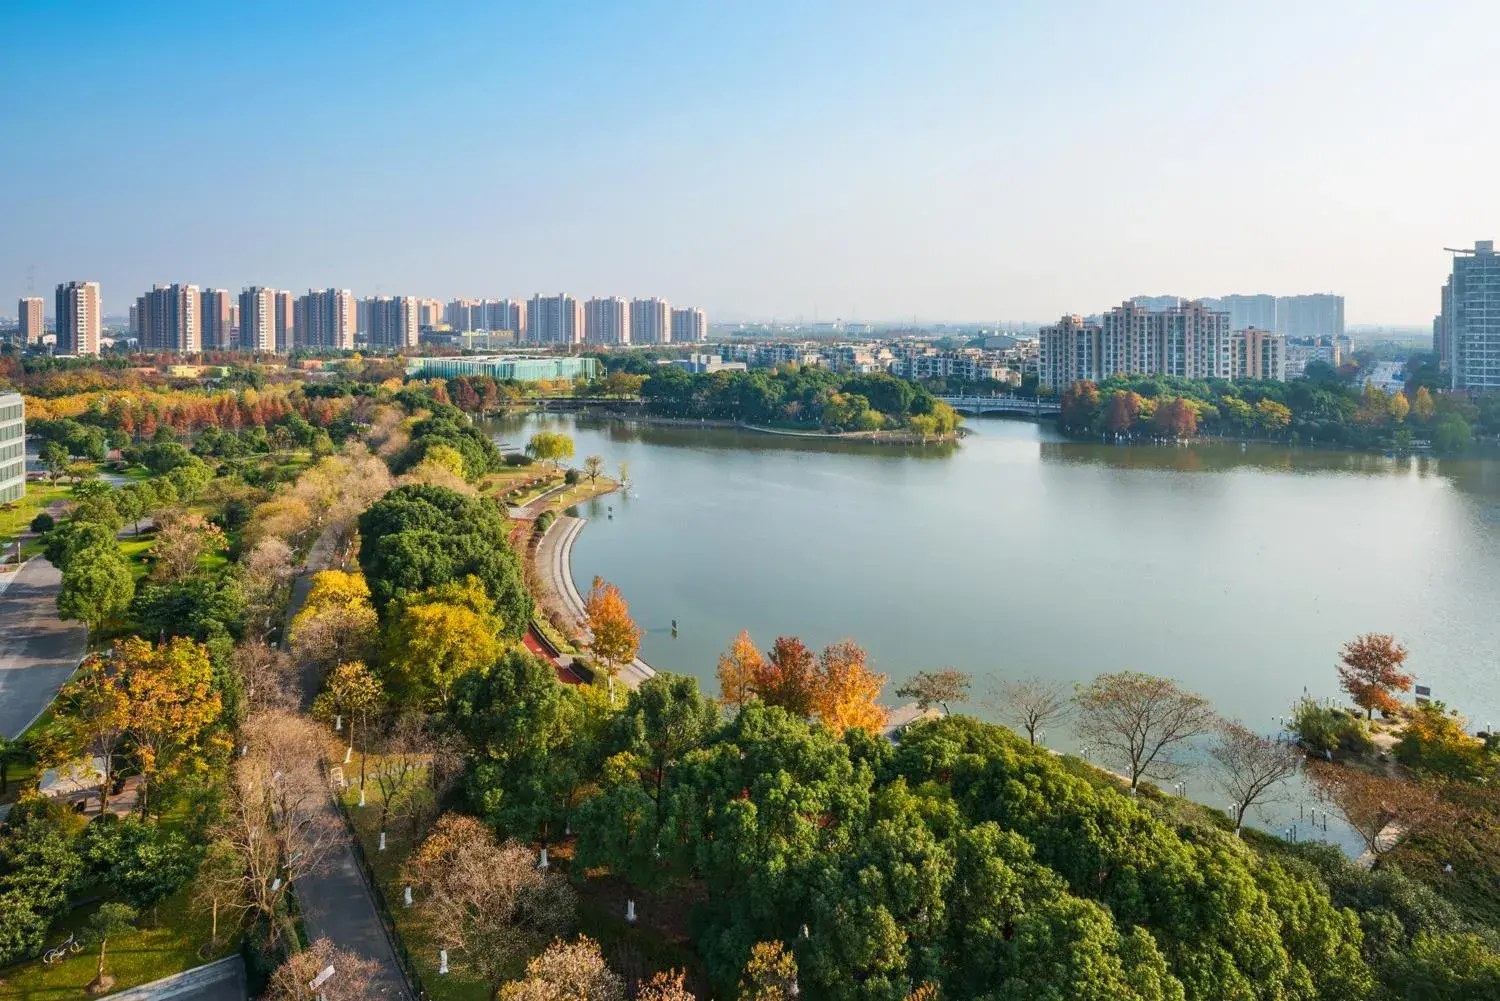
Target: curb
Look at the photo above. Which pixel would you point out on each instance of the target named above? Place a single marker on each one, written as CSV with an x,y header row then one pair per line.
x,y
178,984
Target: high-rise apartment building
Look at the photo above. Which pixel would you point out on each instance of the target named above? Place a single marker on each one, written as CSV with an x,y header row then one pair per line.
x,y
1246,311
1194,342
286,320
325,319
554,319
12,447
606,321
459,313
429,313
215,322
650,321
30,311
1257,354
505,314
257,319
1471,318
1129,340
1068,351
394,322
689,325
1320,315
168,319
79,320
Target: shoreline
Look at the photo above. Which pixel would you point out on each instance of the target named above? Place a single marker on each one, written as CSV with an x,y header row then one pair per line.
x,y
554,556
897,437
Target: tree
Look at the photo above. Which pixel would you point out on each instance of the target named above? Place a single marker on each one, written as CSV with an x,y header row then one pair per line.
x,y
55,459
847,691
266,574
354,977
615,637
789,678
1452,435
275,818
110,921
1422,407
1371,672
568,971
1175,418
550,446
96,586
1031,704
437,636
1400,407
1382,811
1436,741
173,705
1141,721
1446,967
937,688
217,886
739,667
771,974
624,473
354,692
1250,766
337,624
666,985
130,502
93,720
487,902
182,539
592,467
1272,416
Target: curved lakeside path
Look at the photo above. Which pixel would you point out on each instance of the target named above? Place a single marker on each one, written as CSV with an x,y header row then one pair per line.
x,y
554,559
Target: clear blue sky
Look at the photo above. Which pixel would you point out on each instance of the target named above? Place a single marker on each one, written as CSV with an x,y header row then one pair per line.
x,y
993,160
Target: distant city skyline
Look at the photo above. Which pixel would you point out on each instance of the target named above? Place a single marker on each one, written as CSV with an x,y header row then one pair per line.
x,y
778,160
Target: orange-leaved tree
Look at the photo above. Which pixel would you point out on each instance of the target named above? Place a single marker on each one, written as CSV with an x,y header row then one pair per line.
x,y
739,667
847,690
616,637
1371,672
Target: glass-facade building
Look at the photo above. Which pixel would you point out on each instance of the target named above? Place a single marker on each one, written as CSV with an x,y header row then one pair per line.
x,y
12,448
521,368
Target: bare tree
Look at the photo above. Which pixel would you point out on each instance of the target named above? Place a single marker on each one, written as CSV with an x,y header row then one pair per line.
x,y
277,820
1250,767
1382,811
405,756
351,980
1141,722
267,675
489,903
568,971
1031,703
937,688
266,574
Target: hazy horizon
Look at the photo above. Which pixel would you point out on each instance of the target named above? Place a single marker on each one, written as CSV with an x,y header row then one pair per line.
x,y
759,161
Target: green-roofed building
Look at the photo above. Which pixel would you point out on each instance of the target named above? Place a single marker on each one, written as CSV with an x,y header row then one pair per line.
x,y
521,368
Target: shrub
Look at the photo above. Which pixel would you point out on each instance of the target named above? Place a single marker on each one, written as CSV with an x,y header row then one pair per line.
x,y
572,477
42,523
1331,730
517,459
545,521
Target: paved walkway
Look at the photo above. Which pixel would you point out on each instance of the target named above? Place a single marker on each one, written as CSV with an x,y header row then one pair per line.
x,y
337,903
554,559
38,651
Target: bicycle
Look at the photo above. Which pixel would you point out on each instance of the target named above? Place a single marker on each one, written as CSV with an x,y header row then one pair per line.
x,y
71,947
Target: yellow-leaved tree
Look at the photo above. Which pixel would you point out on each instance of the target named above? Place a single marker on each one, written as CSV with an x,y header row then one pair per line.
x,y
847,690
739,667
616,638
437,636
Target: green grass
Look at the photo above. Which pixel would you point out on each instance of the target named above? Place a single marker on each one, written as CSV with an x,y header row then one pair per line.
x,y
16,518
149,953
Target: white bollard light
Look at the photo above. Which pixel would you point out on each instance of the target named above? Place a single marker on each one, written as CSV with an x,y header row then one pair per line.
x,y
361,795
543,863
338,724
382,842
630,911
348,753
275,884
407,898
442,960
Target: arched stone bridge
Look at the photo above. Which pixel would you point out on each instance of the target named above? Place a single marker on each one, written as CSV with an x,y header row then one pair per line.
x,y
977,405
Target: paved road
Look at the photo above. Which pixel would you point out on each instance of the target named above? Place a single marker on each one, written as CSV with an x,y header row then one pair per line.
x,y
38,651
336,903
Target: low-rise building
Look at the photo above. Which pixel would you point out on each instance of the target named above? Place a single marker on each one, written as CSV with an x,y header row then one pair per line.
x,y
1303,351
12,447
703,364
521,368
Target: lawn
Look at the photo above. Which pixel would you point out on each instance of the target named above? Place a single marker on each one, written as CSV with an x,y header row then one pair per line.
x,y
153,951
16,518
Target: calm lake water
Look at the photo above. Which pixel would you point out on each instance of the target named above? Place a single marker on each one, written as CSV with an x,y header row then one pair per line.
x,y
1238,573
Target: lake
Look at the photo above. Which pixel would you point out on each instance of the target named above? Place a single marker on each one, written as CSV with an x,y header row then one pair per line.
x,y
1239,573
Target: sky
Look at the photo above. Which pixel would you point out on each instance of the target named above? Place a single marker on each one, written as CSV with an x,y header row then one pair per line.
x,y
988,161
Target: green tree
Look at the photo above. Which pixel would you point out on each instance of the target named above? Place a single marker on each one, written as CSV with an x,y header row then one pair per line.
x,y
96,586
111,920
55,459
435,637
550,446
937,688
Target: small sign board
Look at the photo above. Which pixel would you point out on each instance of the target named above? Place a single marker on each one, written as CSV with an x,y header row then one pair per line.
x,y
321,978
1424,691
